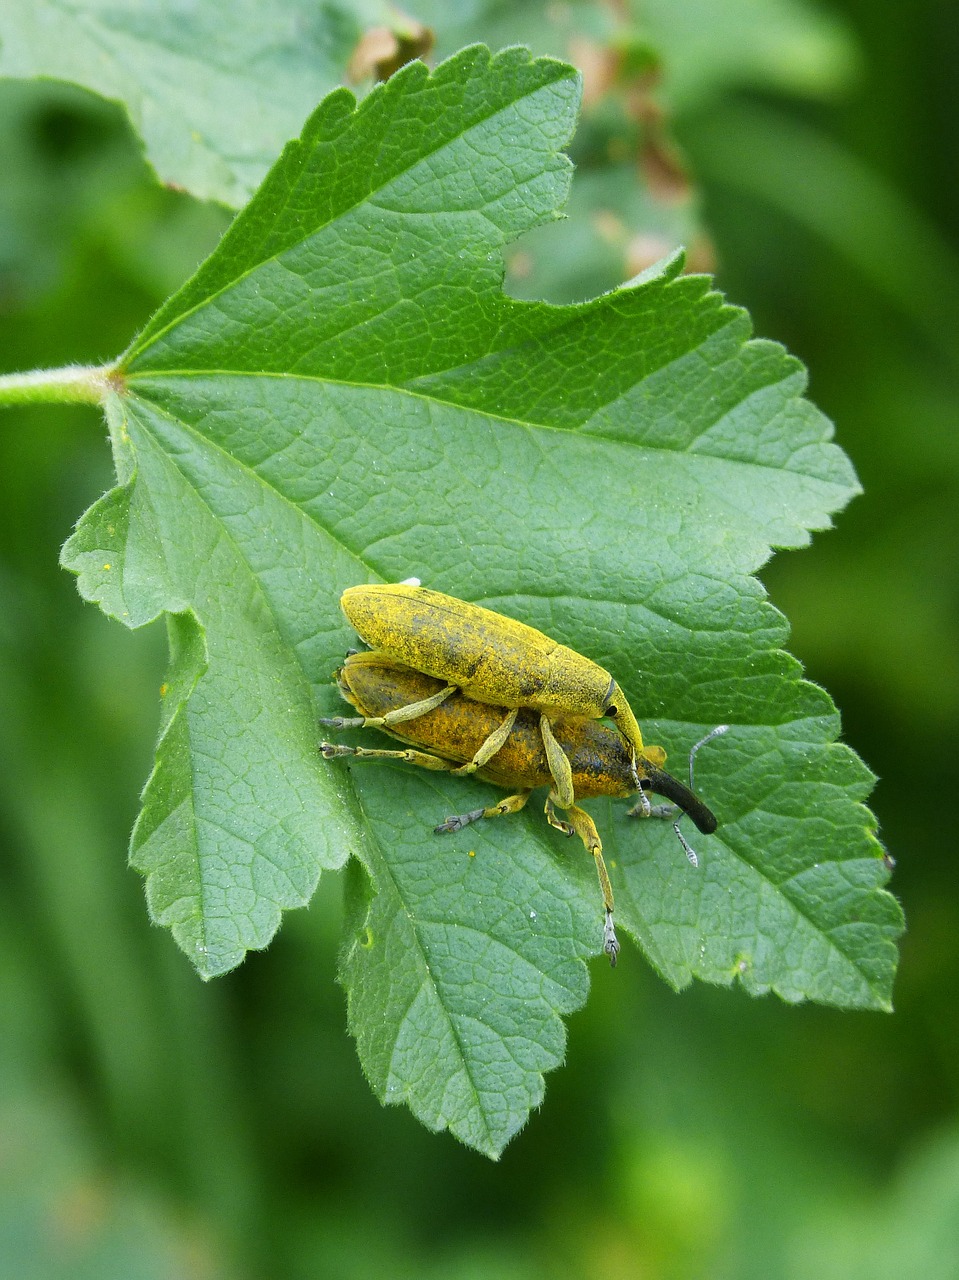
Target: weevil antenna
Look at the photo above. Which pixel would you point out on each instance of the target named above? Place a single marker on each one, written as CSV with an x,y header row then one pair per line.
x,y
687,847
713,733
664,783
634,772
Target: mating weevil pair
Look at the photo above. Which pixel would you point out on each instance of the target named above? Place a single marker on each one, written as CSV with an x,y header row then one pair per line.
x,y
485,694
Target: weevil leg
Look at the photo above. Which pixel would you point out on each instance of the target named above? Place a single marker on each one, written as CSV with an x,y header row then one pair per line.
x,y
666,811
585,828
397,716
582,825
643,809
559,766
512,804
330,751
492,744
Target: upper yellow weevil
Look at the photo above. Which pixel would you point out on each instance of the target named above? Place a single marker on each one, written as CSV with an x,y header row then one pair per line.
x,y
490,657
513,672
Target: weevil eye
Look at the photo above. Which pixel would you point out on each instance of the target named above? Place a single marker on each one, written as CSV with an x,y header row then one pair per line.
x,y
609,706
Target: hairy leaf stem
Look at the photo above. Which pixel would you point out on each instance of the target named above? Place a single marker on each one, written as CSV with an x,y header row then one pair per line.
x,y
71,384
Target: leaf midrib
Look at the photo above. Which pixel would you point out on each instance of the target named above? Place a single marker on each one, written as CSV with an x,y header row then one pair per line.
x,y
577,431
301,514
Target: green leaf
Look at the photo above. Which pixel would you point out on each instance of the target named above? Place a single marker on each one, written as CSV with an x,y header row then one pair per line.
x,y
343,393
213,94
645,64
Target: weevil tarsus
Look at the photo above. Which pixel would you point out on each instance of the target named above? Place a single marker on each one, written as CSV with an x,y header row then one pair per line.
x,y
457,822
610,941
553,818
512,804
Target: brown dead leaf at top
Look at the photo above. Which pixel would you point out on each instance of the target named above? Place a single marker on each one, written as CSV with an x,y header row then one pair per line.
x,y
381,51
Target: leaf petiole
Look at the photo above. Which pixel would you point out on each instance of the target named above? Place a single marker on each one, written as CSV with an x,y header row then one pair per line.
x,y
73,383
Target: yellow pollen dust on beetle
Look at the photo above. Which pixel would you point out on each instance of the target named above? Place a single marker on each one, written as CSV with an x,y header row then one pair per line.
x,y
474,692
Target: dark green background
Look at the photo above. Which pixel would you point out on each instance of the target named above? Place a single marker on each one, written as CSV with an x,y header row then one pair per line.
x,y
153,1126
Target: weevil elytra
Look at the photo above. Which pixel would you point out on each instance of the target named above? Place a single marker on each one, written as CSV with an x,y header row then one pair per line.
x,y
531,738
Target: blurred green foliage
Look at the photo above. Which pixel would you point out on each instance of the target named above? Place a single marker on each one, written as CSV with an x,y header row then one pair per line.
x,y
153,1126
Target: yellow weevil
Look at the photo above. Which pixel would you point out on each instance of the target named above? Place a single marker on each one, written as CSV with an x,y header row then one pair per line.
x,y
488,695
492,658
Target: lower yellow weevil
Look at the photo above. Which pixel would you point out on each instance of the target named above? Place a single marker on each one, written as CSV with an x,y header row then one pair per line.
x,y
513,748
